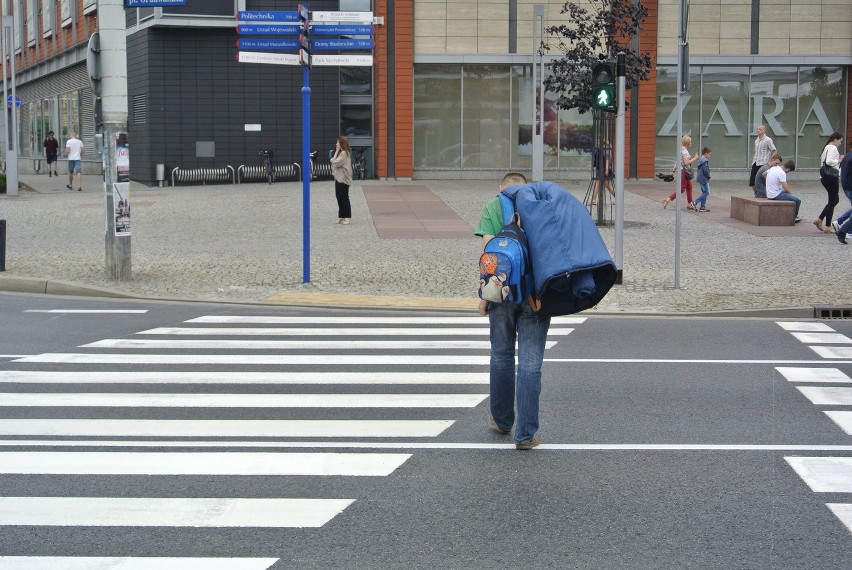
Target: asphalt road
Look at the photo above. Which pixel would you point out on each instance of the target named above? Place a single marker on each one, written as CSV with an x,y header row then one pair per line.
x,y
358,439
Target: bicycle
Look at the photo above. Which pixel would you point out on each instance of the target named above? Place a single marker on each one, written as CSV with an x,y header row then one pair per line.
x,y
359,165
268,166
313,158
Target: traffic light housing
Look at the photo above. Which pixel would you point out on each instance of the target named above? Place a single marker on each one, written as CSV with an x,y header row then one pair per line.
x,y
604,91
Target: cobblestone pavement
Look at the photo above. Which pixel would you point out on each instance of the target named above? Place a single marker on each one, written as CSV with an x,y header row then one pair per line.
x,y
243,243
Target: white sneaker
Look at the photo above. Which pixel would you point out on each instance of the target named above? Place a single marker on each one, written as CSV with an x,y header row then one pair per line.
x,y
836,226
797,220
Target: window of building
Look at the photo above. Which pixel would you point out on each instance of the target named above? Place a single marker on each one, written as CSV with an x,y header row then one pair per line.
x,y
437,116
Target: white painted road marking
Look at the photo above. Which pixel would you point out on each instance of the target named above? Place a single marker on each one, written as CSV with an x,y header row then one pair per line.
x,y
808,326
169,512
173,377
256,359
843,512
437,320
827,395
813,374
231,344
200,463
825,338
90,311
279,331
225,428
19,399
833,351
824,474
842,419
128,563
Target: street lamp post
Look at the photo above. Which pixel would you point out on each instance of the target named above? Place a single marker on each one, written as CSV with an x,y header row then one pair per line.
x,y
11,117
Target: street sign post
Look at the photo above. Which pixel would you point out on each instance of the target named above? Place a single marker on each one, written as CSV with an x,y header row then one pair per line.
x,y
18,102
305,24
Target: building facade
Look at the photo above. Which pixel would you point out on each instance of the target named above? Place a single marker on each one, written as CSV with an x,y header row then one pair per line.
x,y
450,91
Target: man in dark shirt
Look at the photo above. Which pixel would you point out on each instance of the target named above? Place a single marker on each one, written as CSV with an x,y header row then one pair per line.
x,y
51,151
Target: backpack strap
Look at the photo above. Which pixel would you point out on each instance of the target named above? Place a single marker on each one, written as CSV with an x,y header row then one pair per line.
x,y
507,206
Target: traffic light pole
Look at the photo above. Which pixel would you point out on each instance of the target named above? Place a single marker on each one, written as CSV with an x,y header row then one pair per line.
x,y
619,167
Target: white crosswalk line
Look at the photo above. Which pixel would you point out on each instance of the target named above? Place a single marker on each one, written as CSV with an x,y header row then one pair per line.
x,y
232,344
21,399
436,320
90,311
282,378
169,512
833,351
128,563
802,326
825,338
824,375
824,474
827,395
279,331
843,512
200,463
842,419
258,359
224,428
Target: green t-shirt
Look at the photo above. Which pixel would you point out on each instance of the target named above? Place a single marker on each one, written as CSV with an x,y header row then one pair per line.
x,y
491,221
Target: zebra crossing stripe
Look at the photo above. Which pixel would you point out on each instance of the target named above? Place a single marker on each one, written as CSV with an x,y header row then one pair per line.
x,y
128,563
843,512
169,512
139,400
804,326
842,419
258,359
820,338
827,395
833,351
278,331
232,344
224,428
824,474
436,320
194,377
813,374
200,463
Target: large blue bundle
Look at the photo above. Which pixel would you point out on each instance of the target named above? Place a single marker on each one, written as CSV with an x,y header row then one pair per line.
x,y
572,268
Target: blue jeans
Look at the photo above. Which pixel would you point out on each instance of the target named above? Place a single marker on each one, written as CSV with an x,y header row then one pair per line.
x,y
510,322
705,191
789,198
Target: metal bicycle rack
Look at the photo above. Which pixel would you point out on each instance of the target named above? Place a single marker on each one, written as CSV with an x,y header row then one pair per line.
x,y
204,175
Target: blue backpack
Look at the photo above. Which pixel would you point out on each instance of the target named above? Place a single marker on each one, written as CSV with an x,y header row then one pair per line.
x,y
505,270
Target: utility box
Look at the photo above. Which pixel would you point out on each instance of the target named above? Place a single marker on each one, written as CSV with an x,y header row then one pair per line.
x,y
160,174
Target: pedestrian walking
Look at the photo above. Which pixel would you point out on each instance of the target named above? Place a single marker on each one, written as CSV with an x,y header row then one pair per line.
x,y
686,162
514,398
341,168
763,149
51,153
829,177
703,178
842,225
74,150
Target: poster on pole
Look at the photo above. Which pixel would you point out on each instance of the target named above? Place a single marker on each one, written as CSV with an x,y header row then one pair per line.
x,y
122,158
121,202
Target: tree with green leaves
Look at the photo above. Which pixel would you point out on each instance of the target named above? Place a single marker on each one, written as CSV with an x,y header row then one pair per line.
x,y
595,31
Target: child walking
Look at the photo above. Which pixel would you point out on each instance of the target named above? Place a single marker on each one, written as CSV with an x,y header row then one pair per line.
x,y
703,179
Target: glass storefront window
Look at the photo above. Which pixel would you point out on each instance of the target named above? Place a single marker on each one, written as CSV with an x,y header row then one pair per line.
x,y
486,116
820,111
724,116
437,116
356,80
773,94
356,120
667,150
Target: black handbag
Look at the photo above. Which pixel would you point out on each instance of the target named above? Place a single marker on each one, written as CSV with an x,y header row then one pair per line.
x,y
825,171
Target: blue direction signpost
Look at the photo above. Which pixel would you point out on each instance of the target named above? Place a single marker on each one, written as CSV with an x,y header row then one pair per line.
x,y
304,24
18,102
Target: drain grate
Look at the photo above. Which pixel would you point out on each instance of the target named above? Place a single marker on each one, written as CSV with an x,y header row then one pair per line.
x,y
833,312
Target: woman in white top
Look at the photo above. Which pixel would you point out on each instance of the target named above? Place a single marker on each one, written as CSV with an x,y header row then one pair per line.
x,y
830,181
685,183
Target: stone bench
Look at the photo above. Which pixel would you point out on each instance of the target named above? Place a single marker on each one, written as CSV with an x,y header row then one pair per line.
x,y
763,211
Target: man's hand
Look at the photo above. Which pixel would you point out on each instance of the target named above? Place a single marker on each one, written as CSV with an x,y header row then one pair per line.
x,y
483,307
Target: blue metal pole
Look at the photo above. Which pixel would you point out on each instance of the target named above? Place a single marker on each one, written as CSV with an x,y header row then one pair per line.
x,y
306,176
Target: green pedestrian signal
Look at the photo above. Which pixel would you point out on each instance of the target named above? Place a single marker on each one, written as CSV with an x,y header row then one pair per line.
x,y
603,94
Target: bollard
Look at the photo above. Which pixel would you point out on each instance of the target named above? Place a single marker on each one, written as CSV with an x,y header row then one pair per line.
x,y
2,245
